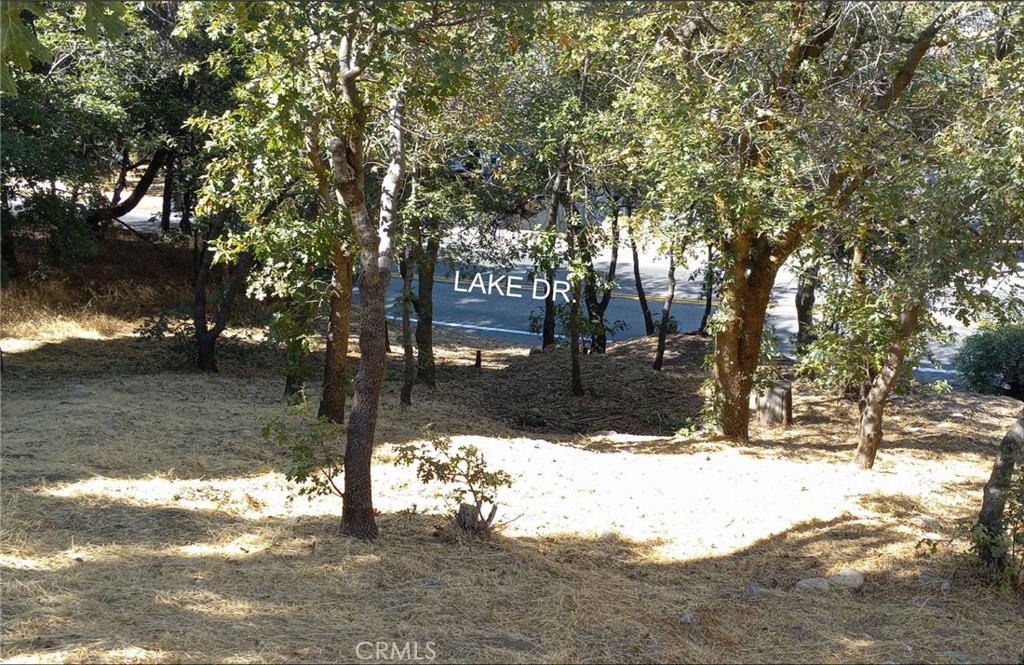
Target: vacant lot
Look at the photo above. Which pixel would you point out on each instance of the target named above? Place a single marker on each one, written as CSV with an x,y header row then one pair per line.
x,y
146,519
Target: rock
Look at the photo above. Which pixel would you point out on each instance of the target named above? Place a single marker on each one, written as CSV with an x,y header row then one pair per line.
x,y
890,661
851,578
432,582
605,432
812,584
752,591
689,617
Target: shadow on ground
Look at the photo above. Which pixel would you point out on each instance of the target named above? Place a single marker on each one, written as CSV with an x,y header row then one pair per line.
x,y
100,578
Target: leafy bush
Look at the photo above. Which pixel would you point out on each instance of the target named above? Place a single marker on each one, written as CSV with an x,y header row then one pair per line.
x,y
61,223
182,331
673,325
464,471
179,327
996,555
588,330
317,453
992,361
1006,544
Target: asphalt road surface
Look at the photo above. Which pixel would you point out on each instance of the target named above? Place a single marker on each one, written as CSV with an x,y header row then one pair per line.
x,y
495,313
493,310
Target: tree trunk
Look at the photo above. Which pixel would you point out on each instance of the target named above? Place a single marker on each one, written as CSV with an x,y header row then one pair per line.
x,y
596,308
574,323
746,291
206,345
168,195
407,269
641,296
98,216
7,253
869,433
806,284
859,338
425,370
122,176
188,203
375,250
548,330
666,309
993,505
336,372
709,289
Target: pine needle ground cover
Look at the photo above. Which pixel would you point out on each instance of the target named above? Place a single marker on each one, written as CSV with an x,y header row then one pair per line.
x,y
146,520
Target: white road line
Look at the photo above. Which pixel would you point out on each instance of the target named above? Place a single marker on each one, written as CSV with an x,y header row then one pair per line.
x,y
472,327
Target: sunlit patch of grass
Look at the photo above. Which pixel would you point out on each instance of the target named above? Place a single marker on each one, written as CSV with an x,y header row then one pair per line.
x,y
145,519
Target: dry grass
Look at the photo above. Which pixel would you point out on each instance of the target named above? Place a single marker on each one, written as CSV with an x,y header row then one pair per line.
x,y
125,281
145,520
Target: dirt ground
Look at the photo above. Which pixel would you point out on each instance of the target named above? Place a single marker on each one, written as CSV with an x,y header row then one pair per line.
x,y
145,519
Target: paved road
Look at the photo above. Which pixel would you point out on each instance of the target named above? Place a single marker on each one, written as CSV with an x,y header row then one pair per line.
x,y
497,315
491,311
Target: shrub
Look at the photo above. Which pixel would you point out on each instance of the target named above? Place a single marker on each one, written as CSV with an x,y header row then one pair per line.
x,y
464,471
62,225
316,450
1000,552
992,361
588,329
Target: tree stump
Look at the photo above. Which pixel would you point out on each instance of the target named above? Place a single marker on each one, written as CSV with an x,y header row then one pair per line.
x,y
479,360
470,519
775,405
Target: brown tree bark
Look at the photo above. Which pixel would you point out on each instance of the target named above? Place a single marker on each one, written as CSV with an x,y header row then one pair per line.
x,y
709,290
106,214
122,176
206,336
168,193
548,329
375,242
596,307
993,505
749,277
745,293
188,203
869,432
425,369
807,282
641,296
336,371
407,269
574,316
666,309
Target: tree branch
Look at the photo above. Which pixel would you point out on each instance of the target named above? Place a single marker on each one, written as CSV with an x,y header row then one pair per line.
x,y
924,42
